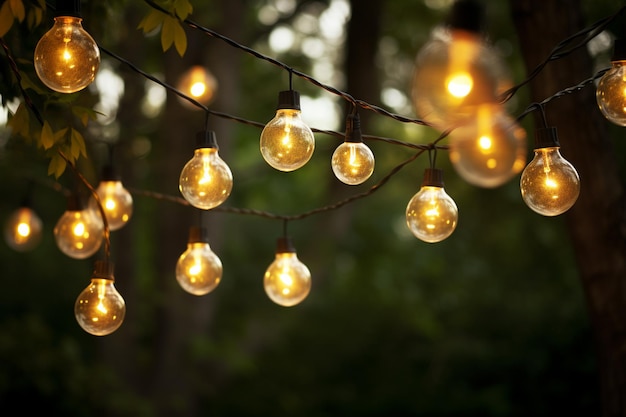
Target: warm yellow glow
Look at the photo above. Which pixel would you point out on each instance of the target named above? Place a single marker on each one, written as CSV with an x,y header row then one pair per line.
x,y
79,229
353,163
431,214
198,270
611,93
100,309
287,281
117,203
206,181
198,83
23,229
197,89
287,143
460,84
79,233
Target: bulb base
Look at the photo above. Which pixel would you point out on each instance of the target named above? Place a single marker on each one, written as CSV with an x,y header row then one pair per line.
x,y
285,245
619,50
546,138
67,8
109,173
289,99
103,269
198,234
206,139
353,129
433,177
74,202
467,15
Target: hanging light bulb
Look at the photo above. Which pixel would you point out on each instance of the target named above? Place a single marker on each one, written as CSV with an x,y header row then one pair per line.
x,y
100,309
431,214
549,184
353,160
199,84
198,269
287,143
116,201
287,280
23,229
611,91
79,231
66,57
456,70
490,150
206,181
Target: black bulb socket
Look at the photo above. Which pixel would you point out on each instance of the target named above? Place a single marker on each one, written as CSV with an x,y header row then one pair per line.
x,y
74,202
198,234
103,269
433,177
109,173
467,15
619,50
288,99
67,8
546,137
353,129
285,245
206,139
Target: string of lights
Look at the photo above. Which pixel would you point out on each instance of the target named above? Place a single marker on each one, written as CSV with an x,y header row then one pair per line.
x,y
458,90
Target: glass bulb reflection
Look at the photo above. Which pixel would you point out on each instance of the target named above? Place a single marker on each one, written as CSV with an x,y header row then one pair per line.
x,y
287,281
549,184
611,93
431,214
66,57
100,309
206,180
353,162
23,229
490,150
198,270
287,143
79,233
116,201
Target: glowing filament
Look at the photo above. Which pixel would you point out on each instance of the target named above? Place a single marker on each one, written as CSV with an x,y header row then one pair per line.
x,y
23,229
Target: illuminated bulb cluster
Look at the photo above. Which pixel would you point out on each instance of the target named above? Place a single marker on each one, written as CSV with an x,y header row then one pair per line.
x,y
611,91
79,231
23,229
198,270
549,184
431,214
287,143
199,84
116,201
353,161
287,281
100,309
206,180
66,57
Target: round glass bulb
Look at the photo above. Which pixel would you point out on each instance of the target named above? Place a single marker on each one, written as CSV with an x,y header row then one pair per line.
x,y
199,84
23,229
116,201
431,214
287,143
198,269
79,233
490,150
100,309
549,184
287,280
353,162
206,180
611,93
455,71
66,57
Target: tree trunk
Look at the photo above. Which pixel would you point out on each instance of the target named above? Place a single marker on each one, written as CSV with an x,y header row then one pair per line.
x,y
596,222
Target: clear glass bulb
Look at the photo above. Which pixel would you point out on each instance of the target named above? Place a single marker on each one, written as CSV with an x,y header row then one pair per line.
x,y
79,233
199,84
66,57
490,150
287,143
611,93
549,184
431,214
198,269
287,281
100,309
116,201
455,71
206,180
23,229
353,162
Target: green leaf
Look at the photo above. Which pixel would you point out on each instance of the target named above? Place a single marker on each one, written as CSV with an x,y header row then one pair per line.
x,y
77,144
34,17
60,134
84,114
168,32
47,135
183,8
20,121
18,9
152,21
57,165
6,18
180,39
